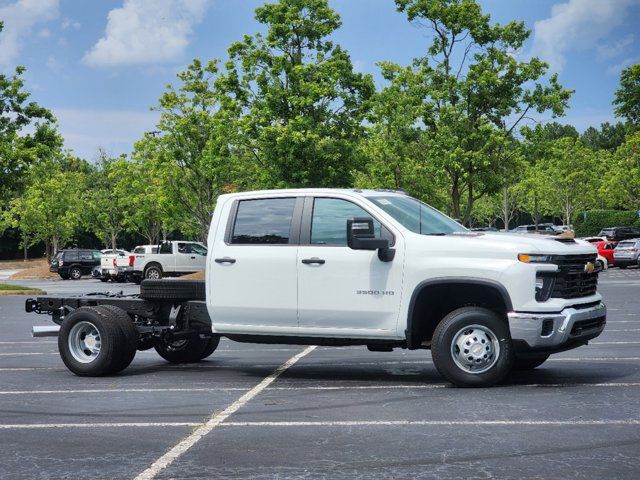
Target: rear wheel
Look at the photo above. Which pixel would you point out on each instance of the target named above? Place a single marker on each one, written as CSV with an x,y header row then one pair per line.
x,y
188,350
529,363
92,342
471,347
153,272
75,273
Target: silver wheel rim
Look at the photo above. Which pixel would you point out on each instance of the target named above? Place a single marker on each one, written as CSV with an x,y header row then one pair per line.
x,y
84,342
153,274
75,273
475,349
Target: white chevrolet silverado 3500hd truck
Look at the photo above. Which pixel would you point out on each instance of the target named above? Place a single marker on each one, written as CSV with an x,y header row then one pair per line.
x,y
348,267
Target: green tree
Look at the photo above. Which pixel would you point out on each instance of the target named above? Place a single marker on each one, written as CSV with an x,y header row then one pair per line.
x,y
50,208
18,150
476,95
608,137
568,178
302,103
621,186
627,97
193,150
103,212
141,196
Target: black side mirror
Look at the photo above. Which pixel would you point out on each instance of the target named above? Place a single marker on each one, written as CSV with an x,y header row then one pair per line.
x,y
361,236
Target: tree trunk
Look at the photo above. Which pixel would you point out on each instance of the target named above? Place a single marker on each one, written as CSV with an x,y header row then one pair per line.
x,y
25,246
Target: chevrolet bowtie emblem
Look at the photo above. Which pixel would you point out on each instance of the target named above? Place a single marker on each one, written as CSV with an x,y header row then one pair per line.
x,y
589,267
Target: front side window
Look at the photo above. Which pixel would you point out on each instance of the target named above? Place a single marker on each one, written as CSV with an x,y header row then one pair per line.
x,y
263,222
198,249
416,216
329,221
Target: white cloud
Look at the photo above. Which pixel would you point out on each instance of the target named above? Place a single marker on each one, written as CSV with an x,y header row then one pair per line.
x,y
19,18
68,23
608,51
618,67
577,25
146,32
84,131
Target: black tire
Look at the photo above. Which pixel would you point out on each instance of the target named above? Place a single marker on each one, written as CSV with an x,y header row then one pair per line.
x,y
104,279
153,272
490,327
189,350
601,266
529,363
114,350
211,344
622,267
75,273
64,276
173,289
129,332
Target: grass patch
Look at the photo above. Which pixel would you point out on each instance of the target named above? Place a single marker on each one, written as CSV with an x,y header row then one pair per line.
x,y
6,289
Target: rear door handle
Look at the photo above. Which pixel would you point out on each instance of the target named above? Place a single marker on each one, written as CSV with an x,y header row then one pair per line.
x,y
309,261
193,258
225,260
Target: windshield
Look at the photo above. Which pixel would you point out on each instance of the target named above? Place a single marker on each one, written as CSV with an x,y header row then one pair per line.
x,y
416,216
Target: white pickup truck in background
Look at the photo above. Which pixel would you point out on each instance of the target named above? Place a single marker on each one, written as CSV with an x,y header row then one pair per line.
x,y
114,265
169,259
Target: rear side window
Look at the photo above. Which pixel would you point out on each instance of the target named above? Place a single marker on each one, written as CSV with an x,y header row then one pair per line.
x,y
263,222
626,244
71,256
138,250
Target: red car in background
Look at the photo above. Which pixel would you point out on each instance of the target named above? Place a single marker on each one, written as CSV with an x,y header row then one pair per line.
x,y
605,248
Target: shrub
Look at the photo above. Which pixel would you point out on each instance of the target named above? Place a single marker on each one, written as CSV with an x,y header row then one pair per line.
x,y
591,222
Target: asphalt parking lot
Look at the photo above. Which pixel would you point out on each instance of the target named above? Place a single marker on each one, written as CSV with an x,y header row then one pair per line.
x,y
298,412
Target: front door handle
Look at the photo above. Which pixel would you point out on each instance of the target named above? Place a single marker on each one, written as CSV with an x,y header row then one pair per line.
x,y
225,260
316,260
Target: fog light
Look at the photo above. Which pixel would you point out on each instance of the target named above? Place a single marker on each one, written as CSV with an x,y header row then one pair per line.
x,y
544,285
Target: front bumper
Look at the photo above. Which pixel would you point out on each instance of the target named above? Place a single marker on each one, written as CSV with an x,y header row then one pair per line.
x,y
555,332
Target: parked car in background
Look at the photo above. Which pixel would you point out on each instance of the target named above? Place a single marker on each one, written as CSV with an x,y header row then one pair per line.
x,y
541,229
627,252
615,234
114,265
562,228
171,259
605,253
594,239
484,229
74,263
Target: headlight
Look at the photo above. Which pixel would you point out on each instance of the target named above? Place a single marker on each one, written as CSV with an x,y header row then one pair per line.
x,y
534,258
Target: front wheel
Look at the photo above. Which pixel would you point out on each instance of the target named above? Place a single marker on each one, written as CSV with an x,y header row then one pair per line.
x,y
529,363
471,347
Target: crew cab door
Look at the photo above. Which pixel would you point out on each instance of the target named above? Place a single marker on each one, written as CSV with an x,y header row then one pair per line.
x,y
252,272
344,292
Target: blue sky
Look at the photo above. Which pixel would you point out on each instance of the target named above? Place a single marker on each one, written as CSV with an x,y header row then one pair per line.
x,y
101,65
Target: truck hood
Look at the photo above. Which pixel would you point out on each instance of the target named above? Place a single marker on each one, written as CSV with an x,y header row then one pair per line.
x,y
508,243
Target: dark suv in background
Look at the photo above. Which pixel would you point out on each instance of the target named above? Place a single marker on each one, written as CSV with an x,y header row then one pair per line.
x,y
615,234
74,263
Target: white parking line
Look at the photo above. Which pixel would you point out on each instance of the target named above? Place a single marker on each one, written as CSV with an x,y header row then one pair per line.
x,y
429,386
614,343
33,426
25,342
216,419
22,354
447,423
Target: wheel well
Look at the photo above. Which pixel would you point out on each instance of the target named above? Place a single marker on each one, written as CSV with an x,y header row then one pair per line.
x,y
431,302
152,264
